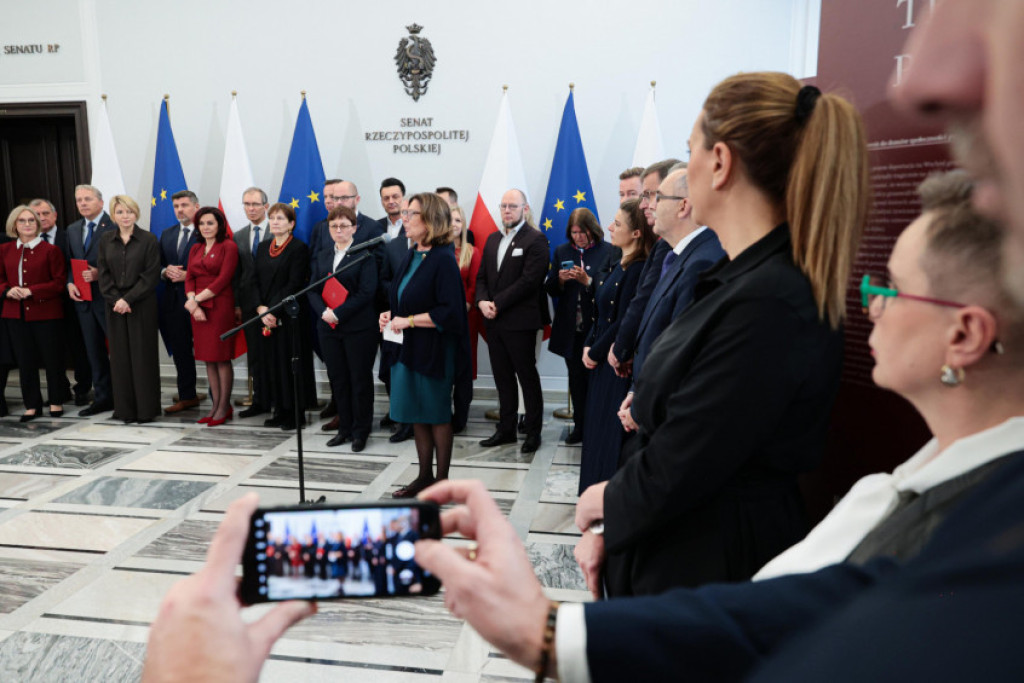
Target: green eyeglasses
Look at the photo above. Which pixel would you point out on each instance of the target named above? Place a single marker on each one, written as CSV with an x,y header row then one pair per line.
x,y
874,287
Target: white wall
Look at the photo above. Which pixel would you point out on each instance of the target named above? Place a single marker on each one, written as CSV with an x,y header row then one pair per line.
x,y
342,54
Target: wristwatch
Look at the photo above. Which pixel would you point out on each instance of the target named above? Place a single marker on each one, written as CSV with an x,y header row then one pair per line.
x,y
597,527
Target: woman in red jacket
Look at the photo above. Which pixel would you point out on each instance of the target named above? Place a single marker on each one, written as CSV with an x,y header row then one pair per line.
x,y
32,277
211,302
468,257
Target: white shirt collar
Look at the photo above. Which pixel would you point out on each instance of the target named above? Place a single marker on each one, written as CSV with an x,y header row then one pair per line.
x,y
513,230
31,245
685,242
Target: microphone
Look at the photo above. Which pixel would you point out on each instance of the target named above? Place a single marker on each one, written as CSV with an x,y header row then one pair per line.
x,y
367,244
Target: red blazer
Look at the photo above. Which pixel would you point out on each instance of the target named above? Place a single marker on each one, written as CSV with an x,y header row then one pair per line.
x,y
212,271
469,274
43,272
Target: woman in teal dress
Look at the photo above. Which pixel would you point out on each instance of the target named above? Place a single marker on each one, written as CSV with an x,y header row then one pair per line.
x,y
428,307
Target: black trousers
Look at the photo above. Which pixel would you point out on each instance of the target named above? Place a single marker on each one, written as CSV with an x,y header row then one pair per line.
x,y
579,379
75,344
35,342
349,360
178,338
513,356
254,359
93,322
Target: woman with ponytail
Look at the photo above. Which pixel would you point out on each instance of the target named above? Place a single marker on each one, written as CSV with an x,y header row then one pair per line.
x,y
734,400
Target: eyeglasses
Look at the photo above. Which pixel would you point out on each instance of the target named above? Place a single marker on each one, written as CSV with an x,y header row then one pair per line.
x,y
879,288
340,226
659,197
406,214
509,207
252,205
340,197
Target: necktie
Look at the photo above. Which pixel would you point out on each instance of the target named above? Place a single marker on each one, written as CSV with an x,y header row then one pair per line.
x,y
255,239
183,245
46,237
670,258
88,237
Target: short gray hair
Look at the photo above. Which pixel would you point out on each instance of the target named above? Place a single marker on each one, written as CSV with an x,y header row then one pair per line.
x,y
263,195
91,188
39,200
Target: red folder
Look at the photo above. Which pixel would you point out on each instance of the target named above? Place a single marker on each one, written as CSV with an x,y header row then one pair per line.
x,y
334,294
78,268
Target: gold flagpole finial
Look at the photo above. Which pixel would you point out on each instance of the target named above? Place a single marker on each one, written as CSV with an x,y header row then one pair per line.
x,y
303,94
234,94
166,97
654,83
504,88
572,86
104,96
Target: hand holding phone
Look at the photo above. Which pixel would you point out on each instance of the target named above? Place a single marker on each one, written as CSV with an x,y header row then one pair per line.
x,y
327,552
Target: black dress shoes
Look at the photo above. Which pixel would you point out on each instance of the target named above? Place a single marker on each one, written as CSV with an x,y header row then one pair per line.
x,y
252,411
275,421
82,399
338,439
531,444
575,436
358,444
498,439
95,409
386,421
404,433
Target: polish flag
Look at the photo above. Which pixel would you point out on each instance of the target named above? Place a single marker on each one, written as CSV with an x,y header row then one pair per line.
x,y
649,147
236,174
106,171
503,171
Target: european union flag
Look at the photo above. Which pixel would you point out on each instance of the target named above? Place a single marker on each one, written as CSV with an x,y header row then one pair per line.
x,y
569,185
168,177
304,177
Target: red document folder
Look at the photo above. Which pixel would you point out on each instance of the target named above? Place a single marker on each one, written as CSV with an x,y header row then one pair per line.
x,y
78,268
334,294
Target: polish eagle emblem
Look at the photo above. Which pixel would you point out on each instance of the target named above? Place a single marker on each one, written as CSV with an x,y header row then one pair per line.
x,y
415,60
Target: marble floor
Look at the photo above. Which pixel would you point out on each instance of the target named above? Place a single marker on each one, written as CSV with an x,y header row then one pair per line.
x,y
98,520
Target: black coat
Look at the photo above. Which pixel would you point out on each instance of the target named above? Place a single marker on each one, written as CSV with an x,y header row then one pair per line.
x,y
733,404
357,313
597,261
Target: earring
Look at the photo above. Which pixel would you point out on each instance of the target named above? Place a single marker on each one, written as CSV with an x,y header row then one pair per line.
x,y
952,377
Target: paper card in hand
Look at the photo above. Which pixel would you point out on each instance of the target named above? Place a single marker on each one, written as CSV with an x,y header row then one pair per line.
x,y
78,268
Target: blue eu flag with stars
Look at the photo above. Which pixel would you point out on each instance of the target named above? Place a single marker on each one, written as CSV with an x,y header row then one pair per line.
x,y
569,185
168,177
304,177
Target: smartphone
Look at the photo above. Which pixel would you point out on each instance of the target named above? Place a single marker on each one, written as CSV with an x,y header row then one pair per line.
x,y
330,552
567,265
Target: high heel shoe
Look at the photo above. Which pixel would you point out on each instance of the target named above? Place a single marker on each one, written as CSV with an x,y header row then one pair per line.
x,y
28,418
204,420
57,413
214,422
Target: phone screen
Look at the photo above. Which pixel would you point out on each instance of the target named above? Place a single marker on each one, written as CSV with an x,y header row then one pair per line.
x,y
334,552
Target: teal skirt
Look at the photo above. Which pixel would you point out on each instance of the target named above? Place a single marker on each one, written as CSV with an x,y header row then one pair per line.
x,y
418,399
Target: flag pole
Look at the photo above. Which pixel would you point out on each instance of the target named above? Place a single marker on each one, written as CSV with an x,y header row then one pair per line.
x,y
567,412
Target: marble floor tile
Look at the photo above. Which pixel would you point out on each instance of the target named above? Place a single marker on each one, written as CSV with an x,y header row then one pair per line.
x,y
23,580
22,485
66,456
271,496
218,438
469,451
30,430
187,541
27,656
494,479
117,433
567,455
179,462
504,502
555,566
555,518
351,472
157,494
561,484
69,532
312,671
138,596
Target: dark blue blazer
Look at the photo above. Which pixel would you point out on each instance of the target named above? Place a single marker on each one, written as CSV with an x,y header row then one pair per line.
x,y
74,250
392,254
674,291
610,308
320,238
953,613
357,313
598,260
625,339
435,288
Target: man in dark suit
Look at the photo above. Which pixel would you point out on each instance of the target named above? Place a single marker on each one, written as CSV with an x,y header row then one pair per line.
x,y
341,193
394,253
83,238
694,249
72,332
510,294
392,193
175,322
621,353
254,201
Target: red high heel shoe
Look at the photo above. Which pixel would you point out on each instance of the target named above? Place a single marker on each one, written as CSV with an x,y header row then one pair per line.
x,y
214,423
204,420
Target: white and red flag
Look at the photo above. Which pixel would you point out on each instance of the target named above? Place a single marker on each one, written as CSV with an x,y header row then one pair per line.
x,y
503,171
236,174
649,148
106,171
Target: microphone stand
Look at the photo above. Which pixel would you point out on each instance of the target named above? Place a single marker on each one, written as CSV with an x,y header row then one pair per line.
x,y
290,305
